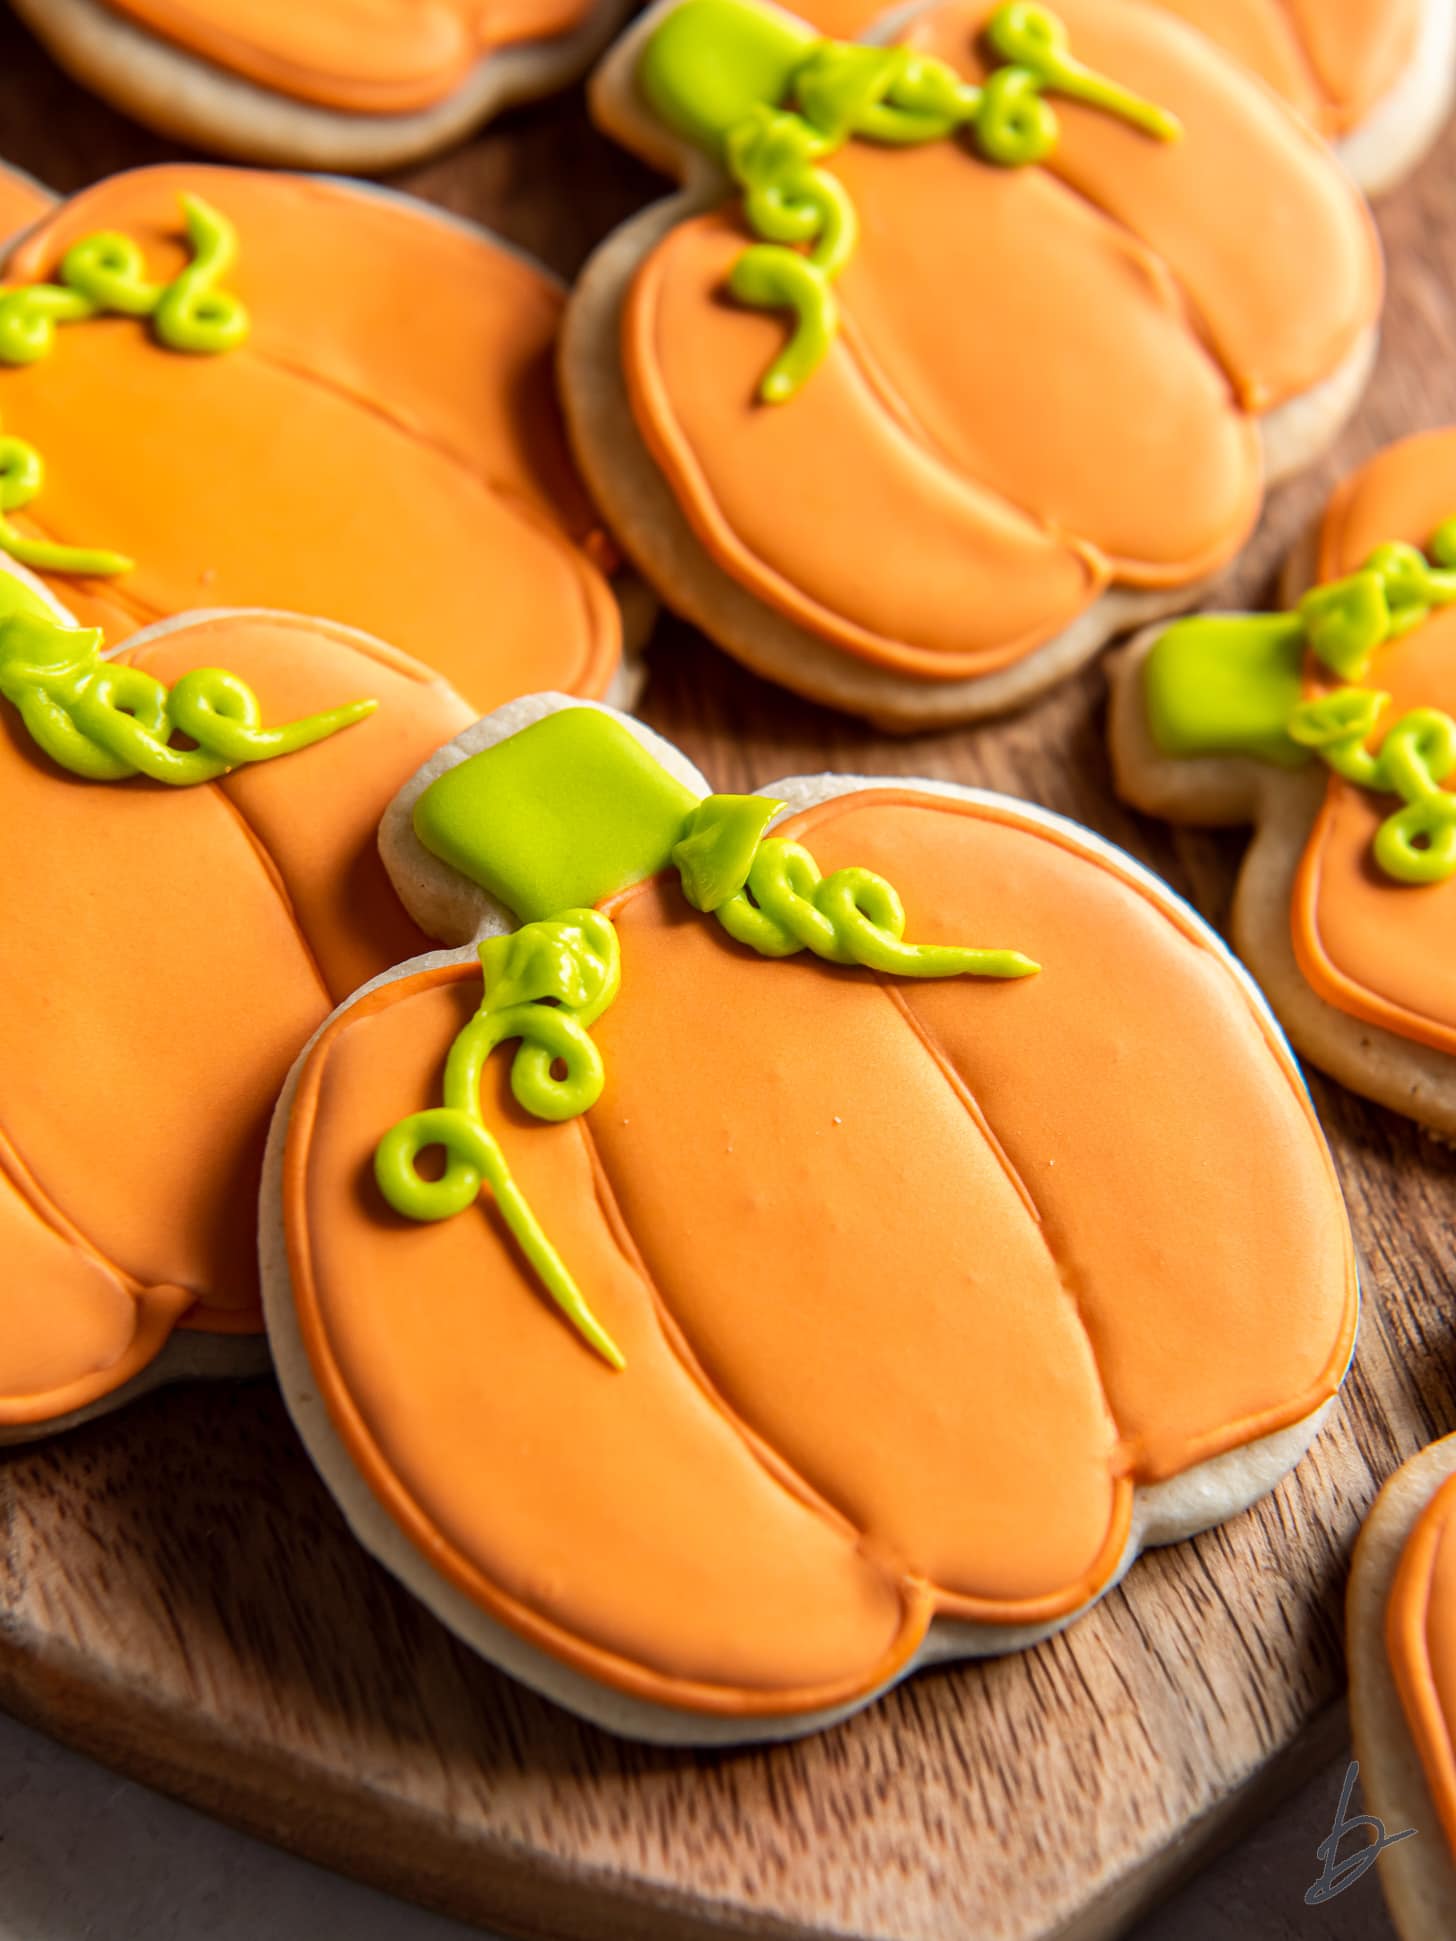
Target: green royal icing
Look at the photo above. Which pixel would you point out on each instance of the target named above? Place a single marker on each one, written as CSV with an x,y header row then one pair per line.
x,y
103,275
560,816
106,274
762,94
545,985
107,722
1233,684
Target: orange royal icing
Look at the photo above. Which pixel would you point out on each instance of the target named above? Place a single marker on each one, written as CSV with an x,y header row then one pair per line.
x,y
384,449
165,953
1046,379
1380,950
378,57
1330,59
1420,1642
882,1258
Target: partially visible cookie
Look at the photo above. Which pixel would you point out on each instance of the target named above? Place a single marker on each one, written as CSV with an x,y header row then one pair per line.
x,y
1401,1630
674,1280
353,85
1050,340
164,953
1374,76
247,389
1332,728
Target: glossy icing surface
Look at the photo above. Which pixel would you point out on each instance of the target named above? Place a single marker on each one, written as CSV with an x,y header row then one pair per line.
x,y
384,449
364,56
831,1427
1330,59
1106,299
1378,950
165,954
1420,1641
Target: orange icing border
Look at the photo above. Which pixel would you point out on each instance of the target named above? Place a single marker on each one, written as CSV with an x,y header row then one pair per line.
x,y
1409,1616
324,60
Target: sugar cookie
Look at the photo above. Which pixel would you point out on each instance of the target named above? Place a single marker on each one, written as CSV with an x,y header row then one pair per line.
x,y
802,1336
1327,727
999,411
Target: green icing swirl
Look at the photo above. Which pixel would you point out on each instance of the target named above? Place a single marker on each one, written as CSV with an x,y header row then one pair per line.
x,y
545,985
106,721
1417,844
850,917
106,275
1231,684
723,73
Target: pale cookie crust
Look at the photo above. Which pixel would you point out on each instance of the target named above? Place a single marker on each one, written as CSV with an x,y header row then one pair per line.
x,y
1164,1513
1418,1875
646,518
193,101
1283,806
1396,133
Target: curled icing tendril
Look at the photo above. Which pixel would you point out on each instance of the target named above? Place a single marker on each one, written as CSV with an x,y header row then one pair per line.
x,y
107,721
545,985
22,477
106,274
803,215
770,894
850,917
1417,844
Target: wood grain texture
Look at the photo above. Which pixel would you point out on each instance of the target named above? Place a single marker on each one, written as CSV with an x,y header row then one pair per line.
x,y
179,1596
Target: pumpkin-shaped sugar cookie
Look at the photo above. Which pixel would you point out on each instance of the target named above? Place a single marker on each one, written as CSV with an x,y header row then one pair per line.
x,y
1375,76
886,1217
1401,1624
1333,727
355,85
175,924
957,355
241,389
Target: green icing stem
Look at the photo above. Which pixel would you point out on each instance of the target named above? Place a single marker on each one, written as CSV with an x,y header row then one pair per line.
x,y
107,721
1232,684
106,274
762,95
544,985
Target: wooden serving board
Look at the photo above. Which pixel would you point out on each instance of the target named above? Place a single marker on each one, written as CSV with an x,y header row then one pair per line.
x,y
179,1596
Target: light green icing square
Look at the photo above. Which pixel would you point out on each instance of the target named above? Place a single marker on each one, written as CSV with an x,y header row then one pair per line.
x,y
1220,684
568,811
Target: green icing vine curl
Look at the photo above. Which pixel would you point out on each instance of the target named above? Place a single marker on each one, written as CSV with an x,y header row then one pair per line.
x,y
1417,844
1232,684
106,274
545,985
103,275
723,73
771,895
22,477
107,721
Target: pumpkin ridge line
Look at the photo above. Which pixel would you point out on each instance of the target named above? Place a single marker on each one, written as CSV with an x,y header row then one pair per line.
x,y
958,1085
48,1211
768,1458
275,876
